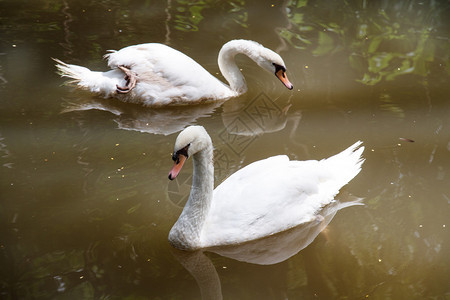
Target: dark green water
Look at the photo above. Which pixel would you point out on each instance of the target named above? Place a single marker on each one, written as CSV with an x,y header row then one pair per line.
x,y
86,206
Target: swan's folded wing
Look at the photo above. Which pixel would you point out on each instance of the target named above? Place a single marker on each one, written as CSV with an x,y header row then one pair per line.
x,y
264,198
164,72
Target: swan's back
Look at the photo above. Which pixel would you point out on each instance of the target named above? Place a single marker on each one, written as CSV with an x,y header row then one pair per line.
x,y
156,57
275,194
166,74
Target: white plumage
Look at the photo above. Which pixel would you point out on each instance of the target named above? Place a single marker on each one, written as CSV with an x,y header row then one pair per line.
x,y
156,75
266,197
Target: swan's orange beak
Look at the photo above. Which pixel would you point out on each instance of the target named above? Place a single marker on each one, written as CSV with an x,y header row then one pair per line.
x,y
179,162
281,74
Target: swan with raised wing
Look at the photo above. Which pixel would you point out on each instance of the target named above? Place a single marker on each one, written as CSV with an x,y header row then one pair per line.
x,y
156,75
264,198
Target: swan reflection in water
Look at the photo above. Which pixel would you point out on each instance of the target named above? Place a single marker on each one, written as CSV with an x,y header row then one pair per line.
x,y
241,118
269,250
260,115
162,121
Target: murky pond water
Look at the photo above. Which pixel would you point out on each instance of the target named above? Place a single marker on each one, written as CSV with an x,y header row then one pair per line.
x,y
86,205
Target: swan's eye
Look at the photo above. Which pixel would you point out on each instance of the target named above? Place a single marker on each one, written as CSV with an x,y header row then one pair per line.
x,y
278,68
182,151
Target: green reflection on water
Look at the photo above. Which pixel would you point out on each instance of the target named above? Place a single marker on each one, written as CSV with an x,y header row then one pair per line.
x,y
189,14
381,40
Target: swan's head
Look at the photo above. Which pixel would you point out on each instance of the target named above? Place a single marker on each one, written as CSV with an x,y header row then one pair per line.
x,y
264,57
190,141
272,62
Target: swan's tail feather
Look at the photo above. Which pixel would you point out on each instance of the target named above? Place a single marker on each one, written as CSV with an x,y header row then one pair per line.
x,y
98,82
346,164
107,55
76,73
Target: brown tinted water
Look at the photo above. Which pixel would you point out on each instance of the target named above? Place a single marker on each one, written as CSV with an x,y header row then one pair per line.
x,y
86,205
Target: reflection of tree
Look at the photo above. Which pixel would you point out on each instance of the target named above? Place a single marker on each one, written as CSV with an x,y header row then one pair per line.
x,y
189,14
89,28
382,40
3,80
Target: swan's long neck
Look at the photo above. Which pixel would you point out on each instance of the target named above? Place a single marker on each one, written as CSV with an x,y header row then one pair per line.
x,y
190,223
227,64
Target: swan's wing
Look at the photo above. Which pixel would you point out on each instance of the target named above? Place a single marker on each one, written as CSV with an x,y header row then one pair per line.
x,y
165,72
266,197
159,58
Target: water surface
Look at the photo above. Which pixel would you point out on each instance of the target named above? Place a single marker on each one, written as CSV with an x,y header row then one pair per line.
x,y
86,205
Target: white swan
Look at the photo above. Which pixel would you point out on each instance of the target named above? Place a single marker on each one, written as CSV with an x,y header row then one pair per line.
x,y
156,75
263,198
